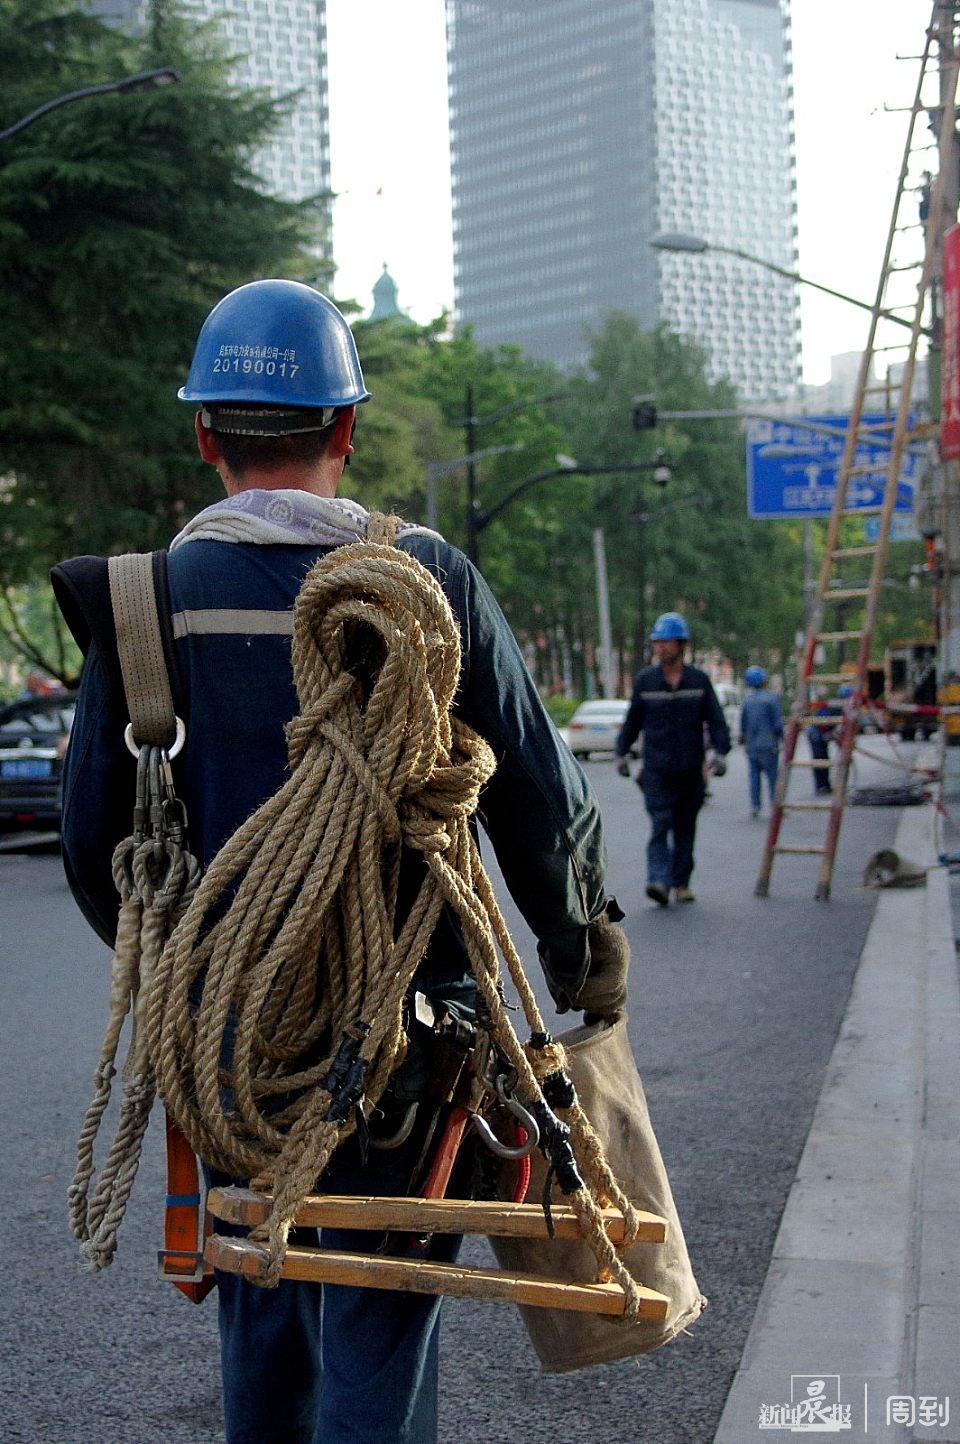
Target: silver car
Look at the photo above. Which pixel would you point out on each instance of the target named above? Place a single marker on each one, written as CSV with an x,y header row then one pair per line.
x,y
595,727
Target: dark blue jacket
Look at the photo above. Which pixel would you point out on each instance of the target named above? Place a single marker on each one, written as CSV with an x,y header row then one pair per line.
x,y
238,692
761,723
672,721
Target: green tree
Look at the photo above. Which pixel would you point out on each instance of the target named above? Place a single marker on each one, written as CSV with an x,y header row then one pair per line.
x,y
122,220
739,581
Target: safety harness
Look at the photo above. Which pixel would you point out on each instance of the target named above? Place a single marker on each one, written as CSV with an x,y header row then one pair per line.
x,y
271,998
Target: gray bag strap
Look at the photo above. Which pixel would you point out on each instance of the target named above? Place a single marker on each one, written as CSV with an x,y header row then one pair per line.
x,y
146,679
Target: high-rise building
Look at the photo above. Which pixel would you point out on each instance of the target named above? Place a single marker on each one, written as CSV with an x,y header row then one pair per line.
x,y
280,47
582,128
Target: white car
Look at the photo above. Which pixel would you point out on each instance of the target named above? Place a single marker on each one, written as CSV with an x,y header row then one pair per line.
x,y
595,727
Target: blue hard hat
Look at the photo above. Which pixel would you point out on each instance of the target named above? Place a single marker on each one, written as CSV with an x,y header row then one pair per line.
x,y
670,627
276,344
754,676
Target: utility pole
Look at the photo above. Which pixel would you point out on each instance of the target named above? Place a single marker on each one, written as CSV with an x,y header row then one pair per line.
x,y
948,149
608,682
470,437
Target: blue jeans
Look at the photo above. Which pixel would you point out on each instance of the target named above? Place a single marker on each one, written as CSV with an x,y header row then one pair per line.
x,y
324,1364
673,801
762,764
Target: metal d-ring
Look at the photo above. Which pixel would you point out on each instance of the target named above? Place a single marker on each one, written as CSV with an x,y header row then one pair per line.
x,y
178,741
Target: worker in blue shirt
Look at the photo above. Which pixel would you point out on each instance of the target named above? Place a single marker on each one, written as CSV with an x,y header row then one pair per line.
x,y
761,732
672,705
275,385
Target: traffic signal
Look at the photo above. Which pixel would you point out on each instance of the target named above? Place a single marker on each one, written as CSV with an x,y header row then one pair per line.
x,y
644,413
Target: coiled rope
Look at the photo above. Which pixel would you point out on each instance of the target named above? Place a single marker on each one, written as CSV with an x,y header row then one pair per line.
x,y
274,1014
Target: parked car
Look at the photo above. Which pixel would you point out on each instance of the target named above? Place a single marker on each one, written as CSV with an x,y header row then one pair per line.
x,y
595,727
34,732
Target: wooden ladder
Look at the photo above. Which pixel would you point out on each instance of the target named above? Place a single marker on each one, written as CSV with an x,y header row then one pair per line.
x,y
873,455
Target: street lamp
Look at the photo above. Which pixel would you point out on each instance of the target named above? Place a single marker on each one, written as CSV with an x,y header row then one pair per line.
x,y
469,422
436,469
128,85
682,241
478,518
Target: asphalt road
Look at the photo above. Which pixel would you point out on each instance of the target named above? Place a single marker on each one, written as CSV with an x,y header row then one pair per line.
x,y
735,1007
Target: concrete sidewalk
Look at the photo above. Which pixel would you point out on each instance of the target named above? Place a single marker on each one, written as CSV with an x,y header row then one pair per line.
x,y
863,1290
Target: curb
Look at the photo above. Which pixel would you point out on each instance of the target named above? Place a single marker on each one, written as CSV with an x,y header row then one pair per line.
x,y
863,1288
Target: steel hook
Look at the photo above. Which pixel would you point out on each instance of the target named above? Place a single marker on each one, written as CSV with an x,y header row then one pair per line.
x,y
394,1140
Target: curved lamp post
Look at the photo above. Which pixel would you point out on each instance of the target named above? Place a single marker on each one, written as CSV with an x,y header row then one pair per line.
x,y
682,241
479,518
469,422
130,84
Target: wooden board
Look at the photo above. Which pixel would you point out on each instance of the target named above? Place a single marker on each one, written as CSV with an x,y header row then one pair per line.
x,y
426,1215
371,1271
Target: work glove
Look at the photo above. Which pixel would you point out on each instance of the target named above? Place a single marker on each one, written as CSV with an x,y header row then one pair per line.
x,y
719,767
623,767
604,992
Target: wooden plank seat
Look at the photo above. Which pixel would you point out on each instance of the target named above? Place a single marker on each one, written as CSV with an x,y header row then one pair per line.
x,y
420,1216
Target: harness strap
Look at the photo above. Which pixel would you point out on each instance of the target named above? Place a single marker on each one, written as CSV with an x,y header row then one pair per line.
x,y
146,680
135,587
181,1259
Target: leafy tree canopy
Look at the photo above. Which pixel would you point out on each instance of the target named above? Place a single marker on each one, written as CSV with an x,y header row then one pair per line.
x,y
123,219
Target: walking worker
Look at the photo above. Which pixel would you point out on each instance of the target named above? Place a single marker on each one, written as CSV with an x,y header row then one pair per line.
x,y
761,732
673,705
302,1362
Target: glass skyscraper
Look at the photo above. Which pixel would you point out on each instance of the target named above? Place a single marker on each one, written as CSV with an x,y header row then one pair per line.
x,y
280,47
580,129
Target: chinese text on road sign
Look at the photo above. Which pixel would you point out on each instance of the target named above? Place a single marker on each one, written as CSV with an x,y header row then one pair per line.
x,y
792,469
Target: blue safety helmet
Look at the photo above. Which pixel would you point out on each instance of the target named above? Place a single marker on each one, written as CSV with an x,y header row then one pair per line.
x,y
670,627
754,676
270,345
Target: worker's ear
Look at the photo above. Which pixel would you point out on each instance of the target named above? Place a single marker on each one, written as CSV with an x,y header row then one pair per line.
x,y
206,441
341,432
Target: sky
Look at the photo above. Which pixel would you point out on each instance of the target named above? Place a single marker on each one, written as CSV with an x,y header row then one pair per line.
x,y
391,172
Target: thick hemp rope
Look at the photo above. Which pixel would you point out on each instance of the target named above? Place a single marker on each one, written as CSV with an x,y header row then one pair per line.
x,y
155,876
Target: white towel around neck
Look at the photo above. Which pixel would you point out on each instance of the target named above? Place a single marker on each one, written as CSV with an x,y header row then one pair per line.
x,y
297,518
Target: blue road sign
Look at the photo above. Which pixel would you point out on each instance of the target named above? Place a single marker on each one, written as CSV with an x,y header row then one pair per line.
x,y
902,528
792,470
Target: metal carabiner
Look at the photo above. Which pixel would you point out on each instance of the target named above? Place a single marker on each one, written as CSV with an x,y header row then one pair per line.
x,y
141,807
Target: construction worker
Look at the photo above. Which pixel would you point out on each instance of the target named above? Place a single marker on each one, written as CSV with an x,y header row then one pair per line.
x,y
820,731
673,704
761,732
275,384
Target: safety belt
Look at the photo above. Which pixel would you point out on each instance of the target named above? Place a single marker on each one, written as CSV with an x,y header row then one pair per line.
x,y
137,594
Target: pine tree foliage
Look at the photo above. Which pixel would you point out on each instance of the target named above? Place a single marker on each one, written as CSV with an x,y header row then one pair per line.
x,y
123,219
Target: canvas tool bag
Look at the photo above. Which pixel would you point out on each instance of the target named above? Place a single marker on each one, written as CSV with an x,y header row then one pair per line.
x,y
600,1061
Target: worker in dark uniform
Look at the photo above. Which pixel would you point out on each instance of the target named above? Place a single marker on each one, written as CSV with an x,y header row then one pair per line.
x,y
275,384
672,705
